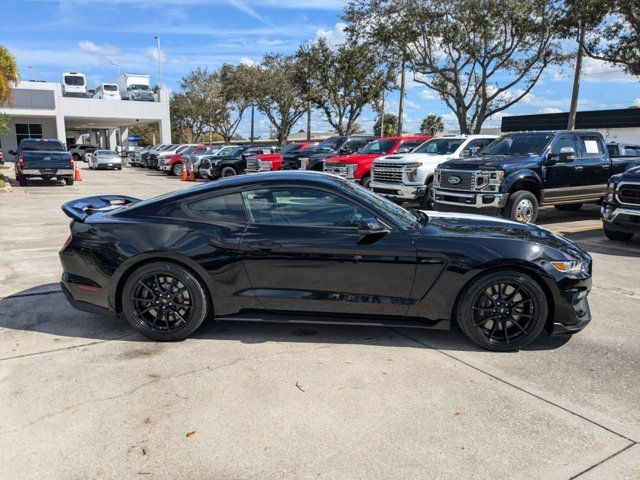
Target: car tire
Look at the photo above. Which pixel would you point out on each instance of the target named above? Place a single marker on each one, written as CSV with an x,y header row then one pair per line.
x,y
569,207
76,157
426,201
228,171
69,181
149,301
504,310
522,207
616,235
176,169
23,181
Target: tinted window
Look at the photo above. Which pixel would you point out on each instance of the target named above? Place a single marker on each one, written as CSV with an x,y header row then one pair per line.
x,y
291,148
479,143
407,147
590,146
378,146
105,152
440,146
613,150
331,143
301,207
519,144
223,208
74,80
42,145
564,142
110,88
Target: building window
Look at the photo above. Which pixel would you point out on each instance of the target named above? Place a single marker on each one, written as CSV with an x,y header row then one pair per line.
x,y
28,130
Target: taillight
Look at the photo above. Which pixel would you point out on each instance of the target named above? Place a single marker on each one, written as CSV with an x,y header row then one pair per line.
x,y
20,161
71,162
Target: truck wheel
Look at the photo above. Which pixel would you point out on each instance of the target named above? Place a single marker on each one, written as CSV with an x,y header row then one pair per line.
x,y
68,180
522,207
615,235
228,172
426,201
176,169
23,181
571,207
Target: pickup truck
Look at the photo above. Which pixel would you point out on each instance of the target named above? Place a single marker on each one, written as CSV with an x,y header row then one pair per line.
x,y
230,163
409,176
617,149
620,209
520,172
273,161
44,158
313,159
357,166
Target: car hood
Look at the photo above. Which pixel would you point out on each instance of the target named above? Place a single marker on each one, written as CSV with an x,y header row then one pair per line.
x,y
493,162
413,157
474,227
269,156
633,174
353,158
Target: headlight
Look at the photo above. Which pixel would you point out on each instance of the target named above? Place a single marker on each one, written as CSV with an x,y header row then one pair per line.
x,y
573,266
411,170
611,190
489,180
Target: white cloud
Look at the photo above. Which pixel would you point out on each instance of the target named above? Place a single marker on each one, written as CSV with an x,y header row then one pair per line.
x,y
104,50
595,71
152,54
428,94
637,102
248,61
248,9
550,110
334,37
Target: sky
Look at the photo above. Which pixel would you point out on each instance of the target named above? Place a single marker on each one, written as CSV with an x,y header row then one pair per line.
x,y
102,37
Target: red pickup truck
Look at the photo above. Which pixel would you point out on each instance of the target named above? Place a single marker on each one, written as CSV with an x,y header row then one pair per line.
x,y
273,161
357,166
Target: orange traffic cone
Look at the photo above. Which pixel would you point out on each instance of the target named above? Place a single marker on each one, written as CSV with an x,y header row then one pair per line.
x,y
192,174
183,175
76,173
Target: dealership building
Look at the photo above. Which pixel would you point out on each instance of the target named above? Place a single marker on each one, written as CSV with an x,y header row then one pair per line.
x,y
39,110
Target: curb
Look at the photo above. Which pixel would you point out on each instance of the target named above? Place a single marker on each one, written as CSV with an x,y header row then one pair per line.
x,y
5,185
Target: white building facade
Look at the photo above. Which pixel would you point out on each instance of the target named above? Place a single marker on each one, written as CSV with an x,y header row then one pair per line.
x,y
39,110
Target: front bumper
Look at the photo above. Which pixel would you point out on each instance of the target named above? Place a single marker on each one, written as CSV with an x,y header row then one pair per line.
x,y
621,219
398,191
470,199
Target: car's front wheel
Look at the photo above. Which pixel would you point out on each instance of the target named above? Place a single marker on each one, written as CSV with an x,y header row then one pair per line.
x,y
522,207
164,301
228,172
503,310
176,169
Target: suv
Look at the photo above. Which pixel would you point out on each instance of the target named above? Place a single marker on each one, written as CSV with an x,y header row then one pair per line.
x,y
408,177
313,159
620,209
521,171
273,161
357,166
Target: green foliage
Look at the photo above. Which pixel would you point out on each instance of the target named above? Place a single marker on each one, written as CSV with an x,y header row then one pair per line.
x,y
5,124
342,81
8,74
431,125
146,133
390,125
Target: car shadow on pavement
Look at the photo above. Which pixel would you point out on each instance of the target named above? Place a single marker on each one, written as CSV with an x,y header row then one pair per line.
x,y
44,309
37,182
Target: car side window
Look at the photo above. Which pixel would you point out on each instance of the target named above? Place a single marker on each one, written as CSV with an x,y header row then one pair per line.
x,y
407,147
305,207
564,142
223,208
590,146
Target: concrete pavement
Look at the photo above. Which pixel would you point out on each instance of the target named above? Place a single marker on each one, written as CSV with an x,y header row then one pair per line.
x,y
85,397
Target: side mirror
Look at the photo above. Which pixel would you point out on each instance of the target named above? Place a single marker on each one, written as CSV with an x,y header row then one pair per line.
x,y
371,226
470,152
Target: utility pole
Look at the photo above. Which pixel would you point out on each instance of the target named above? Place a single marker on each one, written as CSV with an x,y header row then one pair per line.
x,y
308,120
157,37
252,113
571,124
382,117
401,103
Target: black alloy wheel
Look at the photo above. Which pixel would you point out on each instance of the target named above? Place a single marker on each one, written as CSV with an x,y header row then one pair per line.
x,y
228,172
503,311
164,301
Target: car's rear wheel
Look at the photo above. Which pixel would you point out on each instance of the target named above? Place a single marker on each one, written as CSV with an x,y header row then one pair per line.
x,y
69,180
616,235
164,301
23,181
502,311
228,172
570,207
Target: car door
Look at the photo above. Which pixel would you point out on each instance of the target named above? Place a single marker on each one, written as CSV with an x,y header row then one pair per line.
x,y
559,175
303,252
593,165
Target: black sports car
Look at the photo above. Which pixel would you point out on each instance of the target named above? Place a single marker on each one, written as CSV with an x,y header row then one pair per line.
x,y
314,248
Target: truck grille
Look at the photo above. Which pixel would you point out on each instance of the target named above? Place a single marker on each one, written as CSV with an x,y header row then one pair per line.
x,y
457,180
253,164
387,172
629,193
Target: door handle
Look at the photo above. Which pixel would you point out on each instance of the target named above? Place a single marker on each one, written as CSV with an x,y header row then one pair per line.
x,y
263,245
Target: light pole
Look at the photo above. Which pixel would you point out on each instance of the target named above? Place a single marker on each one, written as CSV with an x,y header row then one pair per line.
x,y
157,38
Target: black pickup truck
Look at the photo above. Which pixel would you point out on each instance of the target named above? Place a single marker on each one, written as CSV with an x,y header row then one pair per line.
x,y
313,158
44,158
519,172
620,209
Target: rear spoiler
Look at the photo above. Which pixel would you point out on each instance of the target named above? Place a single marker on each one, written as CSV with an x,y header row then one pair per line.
x,y
80,209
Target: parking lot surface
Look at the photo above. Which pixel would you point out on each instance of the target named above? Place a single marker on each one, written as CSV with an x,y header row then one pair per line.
x,y
84,397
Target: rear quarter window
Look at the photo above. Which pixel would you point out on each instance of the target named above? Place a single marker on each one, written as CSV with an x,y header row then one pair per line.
x,y
222,208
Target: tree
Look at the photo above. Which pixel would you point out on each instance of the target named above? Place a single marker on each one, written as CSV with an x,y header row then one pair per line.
x,y
8,74
279,97
480,56
146,132
432,125
233,96
345,81
390,125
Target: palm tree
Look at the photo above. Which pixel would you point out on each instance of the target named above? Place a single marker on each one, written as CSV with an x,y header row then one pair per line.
x,y
8,74
432,125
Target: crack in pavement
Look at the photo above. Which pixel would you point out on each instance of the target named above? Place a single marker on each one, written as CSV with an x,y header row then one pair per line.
x,y
604,460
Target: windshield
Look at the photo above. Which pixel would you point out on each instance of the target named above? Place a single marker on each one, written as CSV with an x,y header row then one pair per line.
x,y
74,80
184,148
519,144
403,217
331,143
224,150
233,151
41,145
105,152
378,146
136,86
110,88
439,146
291,148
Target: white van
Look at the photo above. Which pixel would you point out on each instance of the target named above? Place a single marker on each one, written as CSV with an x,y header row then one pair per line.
x,y
107,91
74,84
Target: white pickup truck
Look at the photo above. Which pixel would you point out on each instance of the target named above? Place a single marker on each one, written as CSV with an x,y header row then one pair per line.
x,y
408,176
